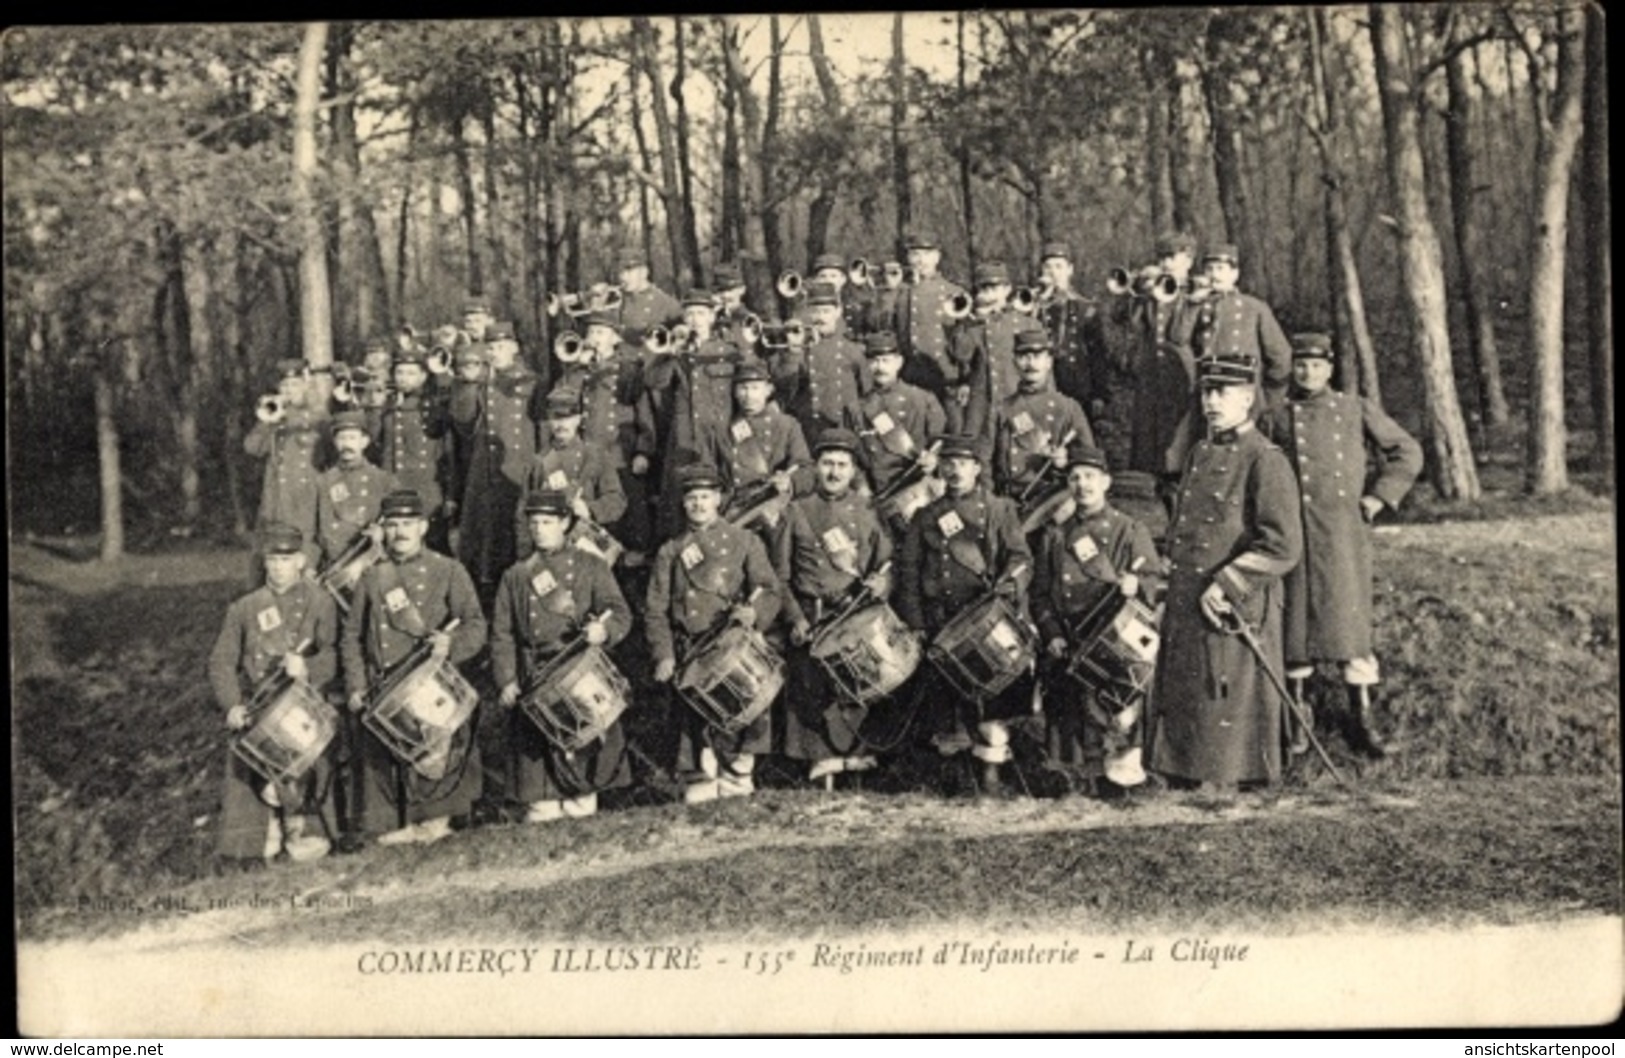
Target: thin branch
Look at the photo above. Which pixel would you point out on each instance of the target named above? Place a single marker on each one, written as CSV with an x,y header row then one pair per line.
x,y
1455,49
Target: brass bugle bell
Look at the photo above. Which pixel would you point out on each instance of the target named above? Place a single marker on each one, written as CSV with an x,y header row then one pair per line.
x,y
270,408
857,273
569,347
1164,288
1025,299
790,284
750,328
439,361
610,299
959,306
661,340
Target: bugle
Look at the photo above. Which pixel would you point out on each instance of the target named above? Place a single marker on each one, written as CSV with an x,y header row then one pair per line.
x,y
607,299
1025,299
790,285
661,340
570,348
439,361
271,408
858,272
750,328
959,306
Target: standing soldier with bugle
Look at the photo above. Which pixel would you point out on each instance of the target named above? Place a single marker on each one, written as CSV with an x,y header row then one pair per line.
x,y
922,318
981,346
1077,333
412,433
643,305
288,437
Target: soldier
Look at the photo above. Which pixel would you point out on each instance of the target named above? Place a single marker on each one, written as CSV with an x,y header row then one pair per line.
x,y
685,391
734,317
822,383
881,312
1034,425
476,318
584,474
1214,716
548,602
895,421
470,368
706,576
496,421
402,602
1161,363
289,440
956,550
349,491
922,318
610,381
643,305
982,349
758,452
831,547
288,623
1328,595
1077,332
1089,553
830,270
412,441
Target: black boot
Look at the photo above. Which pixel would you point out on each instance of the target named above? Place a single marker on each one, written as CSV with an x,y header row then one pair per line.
x,y
1360,727
1300,718
992,785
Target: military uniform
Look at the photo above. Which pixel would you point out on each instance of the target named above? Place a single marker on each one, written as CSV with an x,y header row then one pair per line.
x,y
412,445
699,576
644,309
983,352
1077,332
610,392
750,449
1163,368
576,468
826,546
821,384
1213,715
956,549
543,601
397,604
348,502
1027,427
259,629
684,394
1080,560
895,424
293,449
496,421
922,328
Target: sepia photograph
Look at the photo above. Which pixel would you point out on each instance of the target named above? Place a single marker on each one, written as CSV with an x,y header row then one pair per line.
x,y
1055,520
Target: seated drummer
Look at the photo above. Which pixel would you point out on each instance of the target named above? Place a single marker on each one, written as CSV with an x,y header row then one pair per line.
x,y
546,603
1088,551
402,602
288,623
830,548
711,573
957,549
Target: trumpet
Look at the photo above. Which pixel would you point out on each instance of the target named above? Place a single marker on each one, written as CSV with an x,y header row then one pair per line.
x,y
1199,288
1025,299
661,340
959,306
570,348
790,285
271,408
858,272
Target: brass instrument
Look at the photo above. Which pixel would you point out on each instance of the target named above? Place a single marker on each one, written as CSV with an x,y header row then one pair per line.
x,y
777,335
661,340
858,272
439,361
1025,299
1148,282
570,348
271,408
1199,288
607,298
790,285
750,328
959,306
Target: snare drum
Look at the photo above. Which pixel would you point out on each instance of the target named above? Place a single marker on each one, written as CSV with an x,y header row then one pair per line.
x,y
734,680
594,539
1117,655
417,713
344,573
985,648
900,507
578,696
868,654
293,726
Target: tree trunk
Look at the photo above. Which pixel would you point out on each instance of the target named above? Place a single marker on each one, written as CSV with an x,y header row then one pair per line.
x,y
646,231
404,220
493,219
967,199
1155,109
823,206
1599,284
899,139
731,223
107,453
1492,401
365,259
1227,152
762,233
315,304
685,159
1421,263
647,47
1560,128
1358,364
464,166
1182,197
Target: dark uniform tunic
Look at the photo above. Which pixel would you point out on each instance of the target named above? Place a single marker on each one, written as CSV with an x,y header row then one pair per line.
x,y
699,576
609,400
1328,595
1078,334
822,384
895,425
396,605
1079,563
348,502
496,421
955,549
1026,427
412,445
540,607
259,629
1214,715
983,350
576,469
684,394
825,548
293,450
922,333
1163,368
644,309
749,450
730,327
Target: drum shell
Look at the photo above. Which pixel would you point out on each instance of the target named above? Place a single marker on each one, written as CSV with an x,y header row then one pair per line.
x,y
984,649
734,680
868,654
293,727
900,507
1116,658
578,696
416,714
341,578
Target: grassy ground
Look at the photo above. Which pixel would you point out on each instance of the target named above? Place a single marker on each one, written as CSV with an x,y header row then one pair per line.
x,y
1500,647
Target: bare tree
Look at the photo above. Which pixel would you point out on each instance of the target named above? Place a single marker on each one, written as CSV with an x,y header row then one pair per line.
x,y
1599,283
315,302
899,139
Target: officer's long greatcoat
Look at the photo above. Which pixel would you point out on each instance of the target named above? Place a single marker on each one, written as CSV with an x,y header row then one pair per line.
x,y
496,421
259,629
699,576
826,546
1214,715
1328,595
294,450
397,603
542,603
